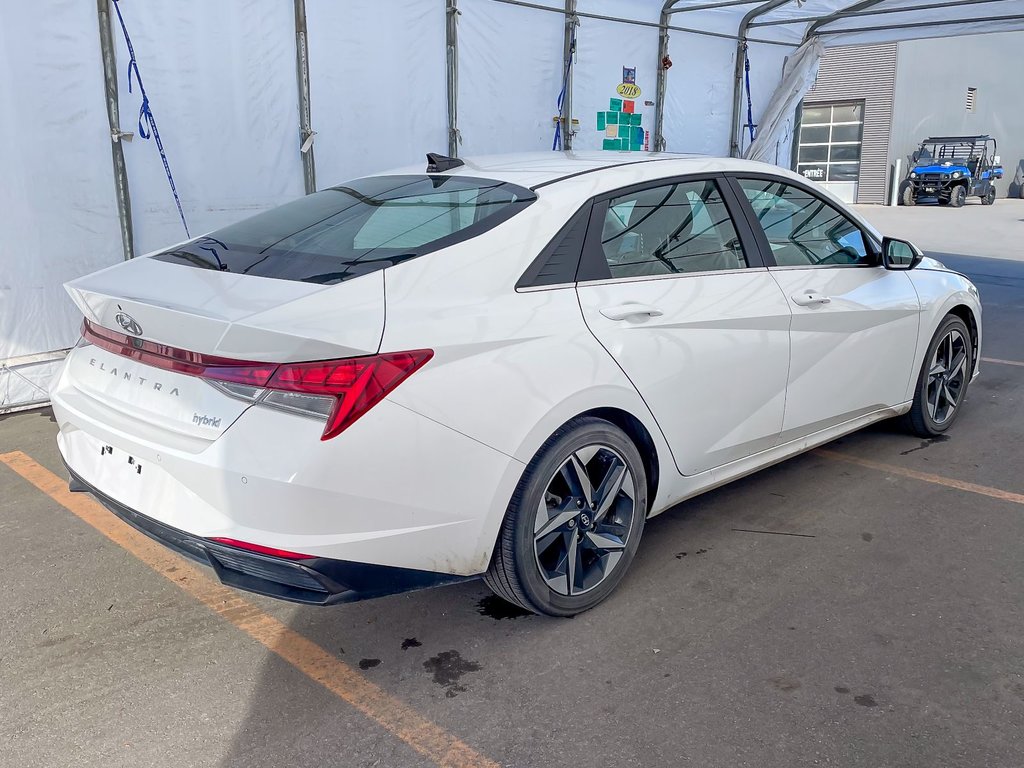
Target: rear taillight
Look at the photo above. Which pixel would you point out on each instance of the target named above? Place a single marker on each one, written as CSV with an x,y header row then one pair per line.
x,y
338,391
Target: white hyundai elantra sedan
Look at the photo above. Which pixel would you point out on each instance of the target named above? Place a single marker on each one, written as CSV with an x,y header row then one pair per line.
x,y
499,367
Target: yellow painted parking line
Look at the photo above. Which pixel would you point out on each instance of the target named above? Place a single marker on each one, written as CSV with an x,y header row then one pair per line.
x,y
927,477
997,361
430,740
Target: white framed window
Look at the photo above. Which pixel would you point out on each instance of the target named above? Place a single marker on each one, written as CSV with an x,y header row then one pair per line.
x,y
829,146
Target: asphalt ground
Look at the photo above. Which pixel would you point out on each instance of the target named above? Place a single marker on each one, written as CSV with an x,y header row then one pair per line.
x,y
860,605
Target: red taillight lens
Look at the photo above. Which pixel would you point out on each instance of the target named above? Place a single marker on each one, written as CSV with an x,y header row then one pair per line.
x,y
357,383
180,360
262,550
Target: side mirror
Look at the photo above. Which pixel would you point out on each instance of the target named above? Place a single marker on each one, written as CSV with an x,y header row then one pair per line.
x,y
900,254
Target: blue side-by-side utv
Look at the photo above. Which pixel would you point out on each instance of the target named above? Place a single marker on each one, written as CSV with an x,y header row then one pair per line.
x,y
949,169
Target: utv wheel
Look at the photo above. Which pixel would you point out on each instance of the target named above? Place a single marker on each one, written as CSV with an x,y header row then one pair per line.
x,y
574,522
989,197
907,195
957,197
942,383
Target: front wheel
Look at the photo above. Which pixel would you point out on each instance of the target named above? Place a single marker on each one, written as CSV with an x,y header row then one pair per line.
x,y
942,383
907,194
957,197
574,523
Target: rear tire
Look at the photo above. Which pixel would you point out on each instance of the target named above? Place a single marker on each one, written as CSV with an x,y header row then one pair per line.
x,y
989,197
942,383
566,542
957,197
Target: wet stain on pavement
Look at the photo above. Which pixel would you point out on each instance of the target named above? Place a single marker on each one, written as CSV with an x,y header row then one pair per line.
x,y
866,700
927,443
499,609
448,667
365,664
410,642
785,684
680,555
867,536
841,689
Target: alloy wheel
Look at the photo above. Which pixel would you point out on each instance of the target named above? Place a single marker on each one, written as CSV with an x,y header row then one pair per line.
x,y
584,520
947,377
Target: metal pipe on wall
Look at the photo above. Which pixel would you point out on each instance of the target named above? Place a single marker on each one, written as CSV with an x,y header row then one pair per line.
x,y
306,132
124,203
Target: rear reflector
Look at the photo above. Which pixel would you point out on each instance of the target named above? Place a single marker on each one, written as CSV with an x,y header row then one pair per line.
x,y
262,550
339,390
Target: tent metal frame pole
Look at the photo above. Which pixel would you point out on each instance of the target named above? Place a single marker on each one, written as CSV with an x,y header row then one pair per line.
x,y
571,20
306,131
121,192
737,86
451,43
864,9
662,82
857,7
922,24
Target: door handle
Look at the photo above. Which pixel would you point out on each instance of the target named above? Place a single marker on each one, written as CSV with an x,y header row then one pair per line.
x,y
630,309
809,299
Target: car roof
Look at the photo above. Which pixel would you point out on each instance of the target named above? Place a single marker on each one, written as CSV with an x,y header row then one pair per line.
x,y
539,169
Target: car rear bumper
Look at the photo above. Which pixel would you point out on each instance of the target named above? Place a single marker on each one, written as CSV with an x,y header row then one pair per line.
x,y
315,581
396,490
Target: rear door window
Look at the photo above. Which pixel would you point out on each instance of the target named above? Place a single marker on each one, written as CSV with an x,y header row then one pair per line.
x,y
672,229
360,227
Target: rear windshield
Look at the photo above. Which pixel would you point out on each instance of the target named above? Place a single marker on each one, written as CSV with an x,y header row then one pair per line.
x,y
351,230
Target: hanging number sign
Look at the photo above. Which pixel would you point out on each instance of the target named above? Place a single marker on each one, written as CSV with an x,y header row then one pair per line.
x,y
628,90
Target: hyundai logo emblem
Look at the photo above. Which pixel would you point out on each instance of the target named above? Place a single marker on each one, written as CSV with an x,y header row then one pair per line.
x,y
127,322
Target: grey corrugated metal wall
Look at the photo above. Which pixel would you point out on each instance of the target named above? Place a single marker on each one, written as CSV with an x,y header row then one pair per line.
x,y
863,73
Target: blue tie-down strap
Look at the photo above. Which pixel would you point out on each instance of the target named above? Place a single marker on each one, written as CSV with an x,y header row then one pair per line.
x,y
750,105
557,143
147,123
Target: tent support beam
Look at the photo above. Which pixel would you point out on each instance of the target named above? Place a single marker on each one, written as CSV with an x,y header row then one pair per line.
x,y
858,7
567,53
737,85
451,41
124,202
662,83
864,9
923,24
306,131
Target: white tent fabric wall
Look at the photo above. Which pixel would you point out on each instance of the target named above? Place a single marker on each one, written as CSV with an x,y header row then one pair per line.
x,y
698,110
57,209
224,96
775,134
510,73
377,84
603,48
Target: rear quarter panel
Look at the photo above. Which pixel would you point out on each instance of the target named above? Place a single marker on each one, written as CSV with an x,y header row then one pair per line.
x,y
509,367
